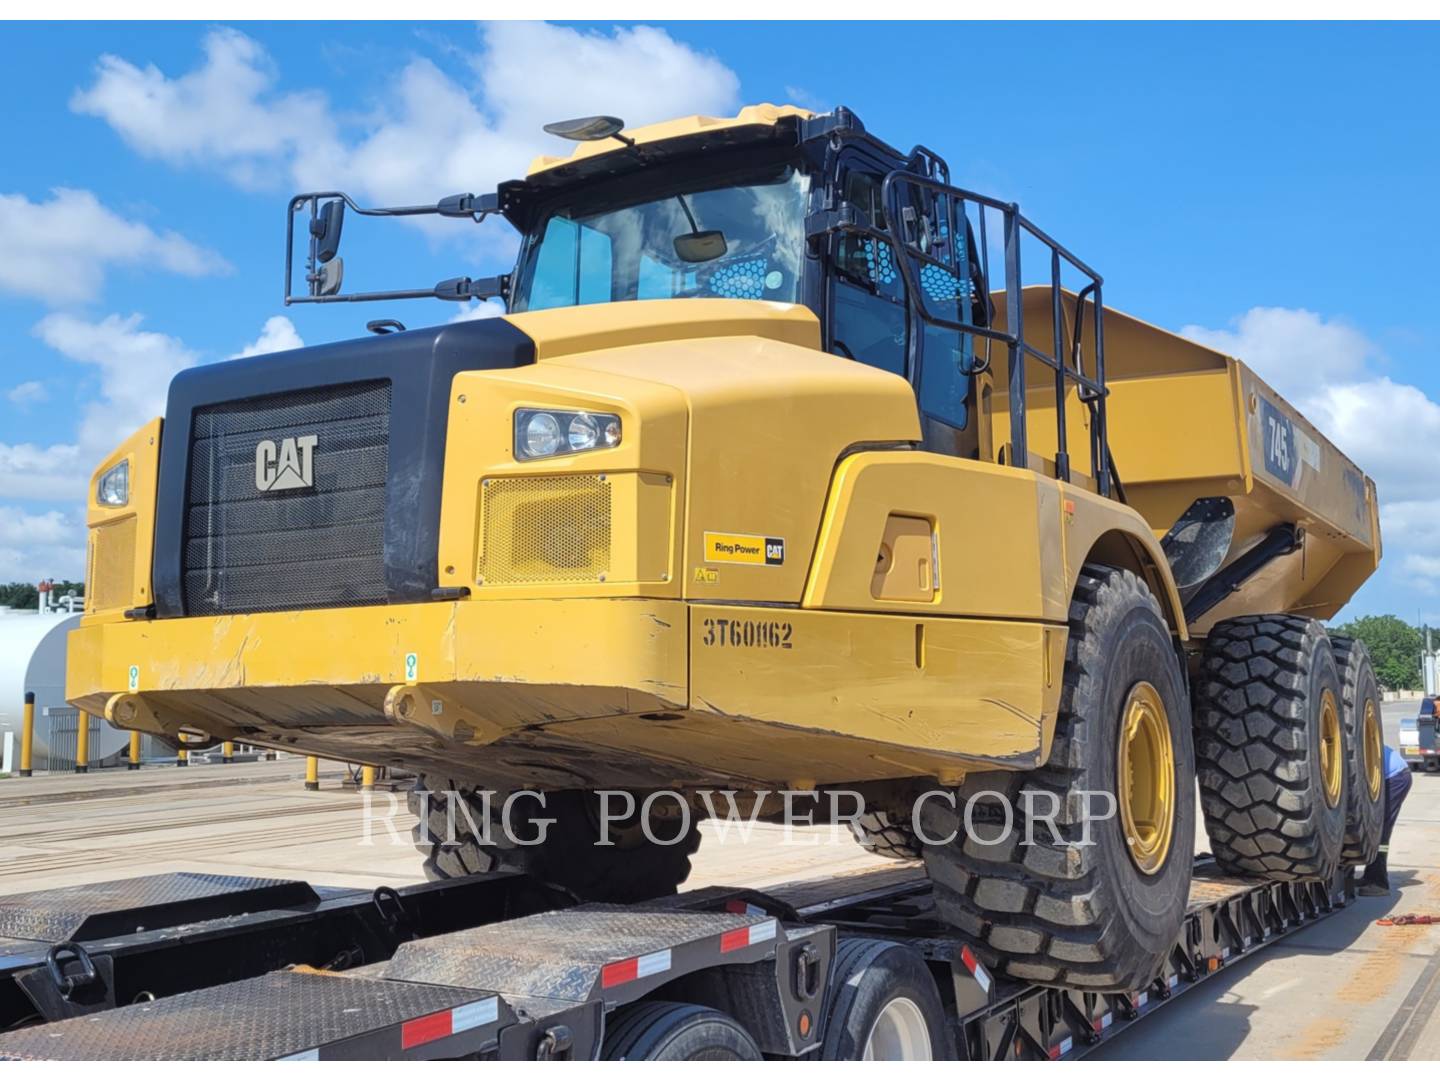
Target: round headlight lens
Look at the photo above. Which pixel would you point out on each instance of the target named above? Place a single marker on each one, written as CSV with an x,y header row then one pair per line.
x,y
584,433
610,435
542,435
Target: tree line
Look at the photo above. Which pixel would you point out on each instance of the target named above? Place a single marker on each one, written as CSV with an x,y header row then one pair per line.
x,y
22,594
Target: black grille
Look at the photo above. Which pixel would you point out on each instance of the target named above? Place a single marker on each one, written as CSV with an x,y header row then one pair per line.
x,y
321,545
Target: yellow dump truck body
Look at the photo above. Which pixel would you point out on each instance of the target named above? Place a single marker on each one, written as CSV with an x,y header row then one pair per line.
x,y
1187,423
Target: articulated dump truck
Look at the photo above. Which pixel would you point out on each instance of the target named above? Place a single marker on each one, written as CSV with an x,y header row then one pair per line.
x,y
790,466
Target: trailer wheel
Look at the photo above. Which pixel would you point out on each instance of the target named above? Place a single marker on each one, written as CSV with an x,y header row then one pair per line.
x,y
883,1005
674,1031
1360,700
1270,741
1048,887
887,835
629,869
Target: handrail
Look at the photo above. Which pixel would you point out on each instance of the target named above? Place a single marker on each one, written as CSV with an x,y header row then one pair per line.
x,y
1090,388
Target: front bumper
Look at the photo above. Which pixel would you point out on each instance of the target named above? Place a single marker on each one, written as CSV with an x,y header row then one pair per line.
x,y
591,692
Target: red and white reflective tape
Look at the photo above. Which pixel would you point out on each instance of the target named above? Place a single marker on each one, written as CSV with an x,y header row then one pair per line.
x,y
753,934
427,1029
977,969
1141,999
1173,981
742,907
637,967
1062,1048
432,1026
1103,1022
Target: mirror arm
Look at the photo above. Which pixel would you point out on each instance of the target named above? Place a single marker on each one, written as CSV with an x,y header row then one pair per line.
x,y
464,288
475,207
822,224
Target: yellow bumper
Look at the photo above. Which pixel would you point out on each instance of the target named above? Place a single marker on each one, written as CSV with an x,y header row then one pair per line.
x,y
592,692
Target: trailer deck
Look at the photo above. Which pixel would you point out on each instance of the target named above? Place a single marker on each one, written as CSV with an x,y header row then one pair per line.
x,y
205,967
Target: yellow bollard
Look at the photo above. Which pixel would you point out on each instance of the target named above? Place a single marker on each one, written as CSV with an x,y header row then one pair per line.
x,y
182,756
312,774
82,743
367,778
134,762
227,753
27,734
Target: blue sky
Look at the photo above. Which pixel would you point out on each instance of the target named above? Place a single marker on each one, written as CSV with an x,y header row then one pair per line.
x,y
1270,189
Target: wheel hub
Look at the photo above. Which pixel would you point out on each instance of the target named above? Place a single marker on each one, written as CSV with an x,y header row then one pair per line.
x,y
1145,778
1332,763
899,1034
1373,751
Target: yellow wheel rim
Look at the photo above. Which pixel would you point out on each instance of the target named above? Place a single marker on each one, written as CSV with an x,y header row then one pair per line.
x,y
1372,750
1332,760
1145,778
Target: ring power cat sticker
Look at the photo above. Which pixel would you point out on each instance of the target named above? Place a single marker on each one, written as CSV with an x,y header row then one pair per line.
x,y
746,550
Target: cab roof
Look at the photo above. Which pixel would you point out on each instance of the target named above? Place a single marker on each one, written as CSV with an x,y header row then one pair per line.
x,y
752,116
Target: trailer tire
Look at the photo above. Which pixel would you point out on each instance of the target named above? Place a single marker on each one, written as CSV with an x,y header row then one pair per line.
x,y
1092,904
1360,702
1270,743
631,869
882,833
874,981
675,1031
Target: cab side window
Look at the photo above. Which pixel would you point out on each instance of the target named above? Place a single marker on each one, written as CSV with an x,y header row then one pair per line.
x,y
574,266
869,322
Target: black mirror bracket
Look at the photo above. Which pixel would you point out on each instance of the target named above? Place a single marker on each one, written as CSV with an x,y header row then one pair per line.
x,y
462,289
823,224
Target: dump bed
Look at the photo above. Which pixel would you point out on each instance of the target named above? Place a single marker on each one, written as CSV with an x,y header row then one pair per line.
x,y
1188,423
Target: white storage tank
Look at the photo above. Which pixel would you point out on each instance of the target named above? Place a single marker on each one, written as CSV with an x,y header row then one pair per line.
x,y
32,659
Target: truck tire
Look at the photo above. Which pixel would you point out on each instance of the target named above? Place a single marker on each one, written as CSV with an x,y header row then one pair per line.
x,y
1360,702
883,1005
1270,743
674,1031
1097,916
884,834
630,869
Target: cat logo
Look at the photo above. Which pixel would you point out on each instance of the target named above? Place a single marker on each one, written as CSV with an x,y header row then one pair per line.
x,y
287,467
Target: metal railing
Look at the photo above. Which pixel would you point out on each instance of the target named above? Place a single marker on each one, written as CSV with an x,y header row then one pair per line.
x,y
928,224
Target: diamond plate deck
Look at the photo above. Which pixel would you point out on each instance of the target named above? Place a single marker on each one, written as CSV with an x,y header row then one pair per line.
x,y
557,954
85,912
260,1019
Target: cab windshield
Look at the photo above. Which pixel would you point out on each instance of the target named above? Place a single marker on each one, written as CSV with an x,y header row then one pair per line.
x,y
740,237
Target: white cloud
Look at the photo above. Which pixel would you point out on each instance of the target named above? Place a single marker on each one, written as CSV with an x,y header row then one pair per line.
x,y
277,335
131,372
134,368
430,134
28,393
1326,368
60,250
50,473
1293,349
225,113
478,309
49,544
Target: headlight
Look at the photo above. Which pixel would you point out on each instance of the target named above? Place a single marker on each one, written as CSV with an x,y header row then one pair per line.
x,y
113,487
547,432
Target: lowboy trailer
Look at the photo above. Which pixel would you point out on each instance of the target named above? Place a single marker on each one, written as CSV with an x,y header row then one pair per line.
x,y
497,967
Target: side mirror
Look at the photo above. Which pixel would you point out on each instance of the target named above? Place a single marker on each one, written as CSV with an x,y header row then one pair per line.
x,y
329,277
701,247
326,228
